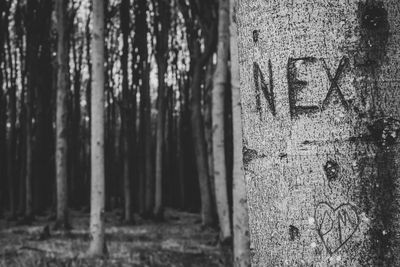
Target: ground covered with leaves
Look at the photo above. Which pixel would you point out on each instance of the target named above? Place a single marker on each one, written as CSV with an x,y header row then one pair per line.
x,y
180,240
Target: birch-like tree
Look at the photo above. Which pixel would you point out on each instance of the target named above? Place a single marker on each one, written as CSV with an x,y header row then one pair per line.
x,y
220,84
241,235
97,244
321,117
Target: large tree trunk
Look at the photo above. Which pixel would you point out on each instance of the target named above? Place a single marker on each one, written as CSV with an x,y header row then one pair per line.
x,y
241,235
321,152
218,110
97,213
61,116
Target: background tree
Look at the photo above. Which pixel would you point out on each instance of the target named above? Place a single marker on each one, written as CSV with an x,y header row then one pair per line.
x,y
159,64
161,29
240,222
218,110
97,244
200,25
125,110
61,115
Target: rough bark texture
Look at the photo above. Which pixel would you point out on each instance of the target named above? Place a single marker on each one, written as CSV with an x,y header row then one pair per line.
x,y
61,116
321,114
97,245
241,235
218,110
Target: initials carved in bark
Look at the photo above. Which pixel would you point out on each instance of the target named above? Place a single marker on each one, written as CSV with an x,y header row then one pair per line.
x,y
301,87
261,85
305,76
336,226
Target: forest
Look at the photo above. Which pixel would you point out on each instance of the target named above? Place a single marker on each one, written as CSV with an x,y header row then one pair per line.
x,y
116,120
199,133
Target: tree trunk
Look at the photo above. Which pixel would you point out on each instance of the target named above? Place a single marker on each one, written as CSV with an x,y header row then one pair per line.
x,y
76,134
241,235
12,140
28,146
207,118
199,141
61,116
218,110
321,155
97,213
162,24
149,182
3,149
158,205
180,145
124,13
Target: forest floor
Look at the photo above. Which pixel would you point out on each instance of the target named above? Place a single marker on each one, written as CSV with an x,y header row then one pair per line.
x,y
180,240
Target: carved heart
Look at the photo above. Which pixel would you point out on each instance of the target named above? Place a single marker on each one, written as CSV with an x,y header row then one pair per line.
x,y
336,226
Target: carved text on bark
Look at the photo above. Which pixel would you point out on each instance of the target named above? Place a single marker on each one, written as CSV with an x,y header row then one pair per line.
x,y
336,226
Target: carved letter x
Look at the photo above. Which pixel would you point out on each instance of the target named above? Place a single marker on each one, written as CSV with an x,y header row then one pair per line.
x,y
344,62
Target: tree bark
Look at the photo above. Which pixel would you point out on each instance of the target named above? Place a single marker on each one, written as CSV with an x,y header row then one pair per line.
x,y
97,213
61,116
241,235
321,112
218,110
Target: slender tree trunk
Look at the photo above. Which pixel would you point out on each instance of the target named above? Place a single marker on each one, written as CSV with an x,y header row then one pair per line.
x,y
61,116
207,118
88,156
158,205
180,146
11,150
124,13
145,196
3,148
321,120
162,26
11,144
76,133
149,182
28,182
97,213
218,110
199,142
43,79
241,235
